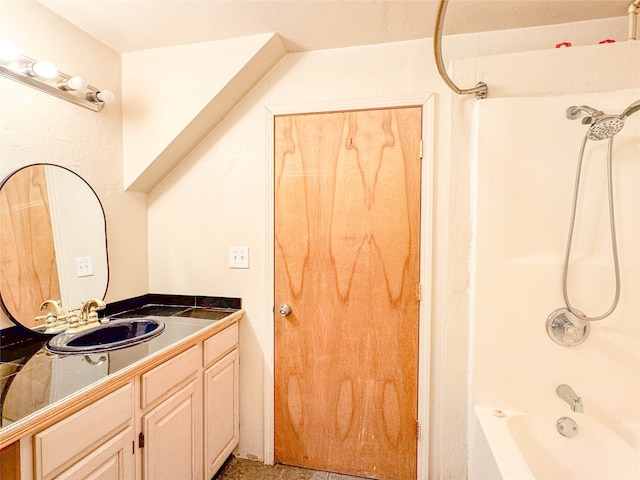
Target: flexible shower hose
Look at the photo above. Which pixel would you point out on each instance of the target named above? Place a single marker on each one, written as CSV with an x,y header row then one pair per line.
x,y
612,223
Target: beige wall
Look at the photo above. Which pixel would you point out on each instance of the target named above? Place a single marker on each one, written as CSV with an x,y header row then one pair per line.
x,y
218,194
218,197
36,127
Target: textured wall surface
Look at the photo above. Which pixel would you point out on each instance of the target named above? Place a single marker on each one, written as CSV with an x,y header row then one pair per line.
x,y
36,127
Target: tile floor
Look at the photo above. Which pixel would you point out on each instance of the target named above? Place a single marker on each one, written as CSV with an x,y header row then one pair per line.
x,y
242,469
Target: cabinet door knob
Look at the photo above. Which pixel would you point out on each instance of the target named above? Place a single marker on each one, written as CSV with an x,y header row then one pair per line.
x,y
285,310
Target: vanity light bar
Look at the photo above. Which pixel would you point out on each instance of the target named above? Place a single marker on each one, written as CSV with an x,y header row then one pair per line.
x,y
44,76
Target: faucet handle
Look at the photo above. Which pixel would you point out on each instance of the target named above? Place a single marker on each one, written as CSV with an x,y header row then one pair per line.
x,y
93,314
49,318
74,317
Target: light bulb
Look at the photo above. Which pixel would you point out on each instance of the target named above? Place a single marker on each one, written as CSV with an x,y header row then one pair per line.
x,y
103,96
8,50
106,96
43,68
73,83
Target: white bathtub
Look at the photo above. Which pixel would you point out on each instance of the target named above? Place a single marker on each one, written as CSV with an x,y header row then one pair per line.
x,y
520,446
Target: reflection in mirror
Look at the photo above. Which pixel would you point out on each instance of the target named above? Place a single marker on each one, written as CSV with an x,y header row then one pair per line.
x,y
53,242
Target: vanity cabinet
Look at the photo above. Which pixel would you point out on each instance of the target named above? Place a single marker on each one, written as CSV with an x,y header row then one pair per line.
x,y
175,417
171,436
111,460
172,433
95,442
221,399
196,424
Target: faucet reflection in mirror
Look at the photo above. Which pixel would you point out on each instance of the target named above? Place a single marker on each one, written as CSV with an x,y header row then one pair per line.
x,y
44,76
56,321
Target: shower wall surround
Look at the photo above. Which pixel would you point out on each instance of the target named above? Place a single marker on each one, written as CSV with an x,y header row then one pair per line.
x,y
527,153
526,167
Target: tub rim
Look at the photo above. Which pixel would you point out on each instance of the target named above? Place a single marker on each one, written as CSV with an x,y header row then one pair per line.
x,y
496,432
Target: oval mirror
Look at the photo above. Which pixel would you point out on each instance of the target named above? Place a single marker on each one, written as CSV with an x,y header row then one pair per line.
x,y
53,242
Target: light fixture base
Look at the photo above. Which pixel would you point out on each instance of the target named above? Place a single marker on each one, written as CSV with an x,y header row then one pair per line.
x,y
23,70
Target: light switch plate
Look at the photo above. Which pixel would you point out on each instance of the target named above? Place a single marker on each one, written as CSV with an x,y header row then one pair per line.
x,y
238,257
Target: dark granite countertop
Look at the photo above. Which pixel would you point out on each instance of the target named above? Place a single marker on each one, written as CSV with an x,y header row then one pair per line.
x,y
33,378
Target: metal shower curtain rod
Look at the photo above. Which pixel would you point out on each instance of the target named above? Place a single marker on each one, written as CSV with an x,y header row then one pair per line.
x,y
480,90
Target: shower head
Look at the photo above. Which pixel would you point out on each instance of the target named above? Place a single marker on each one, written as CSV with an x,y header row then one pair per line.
x,y
602,126
605,126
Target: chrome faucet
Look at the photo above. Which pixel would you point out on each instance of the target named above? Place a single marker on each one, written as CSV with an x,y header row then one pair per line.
x,y
566,393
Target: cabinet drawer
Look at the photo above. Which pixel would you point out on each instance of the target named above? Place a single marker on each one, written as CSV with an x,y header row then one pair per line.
x,y
165,377
56,446
220,344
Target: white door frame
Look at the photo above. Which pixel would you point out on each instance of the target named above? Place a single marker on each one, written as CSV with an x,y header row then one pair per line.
x,y
426,101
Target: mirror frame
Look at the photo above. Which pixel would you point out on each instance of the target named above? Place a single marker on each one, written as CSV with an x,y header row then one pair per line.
x,y
106,242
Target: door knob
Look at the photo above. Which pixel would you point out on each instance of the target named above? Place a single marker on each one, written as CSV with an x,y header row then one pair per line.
x,y
285,310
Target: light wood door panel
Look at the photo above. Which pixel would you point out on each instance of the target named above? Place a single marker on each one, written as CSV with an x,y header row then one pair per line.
x,y
27,255
347,219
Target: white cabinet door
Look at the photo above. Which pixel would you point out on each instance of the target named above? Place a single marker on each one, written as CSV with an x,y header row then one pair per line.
x,y
173,435
113,460
67,443
221,411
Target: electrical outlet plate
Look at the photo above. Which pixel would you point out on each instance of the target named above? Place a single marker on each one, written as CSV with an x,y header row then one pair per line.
x,y
238,257
84,267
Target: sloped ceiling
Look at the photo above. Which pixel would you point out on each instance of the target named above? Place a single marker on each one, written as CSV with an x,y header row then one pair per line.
x,y
130,25
144,28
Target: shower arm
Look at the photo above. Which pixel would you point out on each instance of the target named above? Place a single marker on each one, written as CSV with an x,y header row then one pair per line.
x,y
574,112
481,89
634,9
633,108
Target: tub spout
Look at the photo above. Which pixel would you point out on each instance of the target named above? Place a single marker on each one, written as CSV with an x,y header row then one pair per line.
x,y
566,393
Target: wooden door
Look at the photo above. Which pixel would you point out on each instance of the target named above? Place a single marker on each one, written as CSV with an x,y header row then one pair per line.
x,y
347,219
